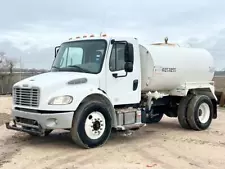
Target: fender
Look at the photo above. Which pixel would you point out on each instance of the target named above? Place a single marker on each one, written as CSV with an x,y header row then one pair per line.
x,y
206,88
82,93
79,92
104,99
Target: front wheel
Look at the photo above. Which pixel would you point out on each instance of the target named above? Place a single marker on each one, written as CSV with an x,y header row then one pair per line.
x,y
91,126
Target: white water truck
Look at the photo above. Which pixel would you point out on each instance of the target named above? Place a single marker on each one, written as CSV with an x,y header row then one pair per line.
x,y
100,84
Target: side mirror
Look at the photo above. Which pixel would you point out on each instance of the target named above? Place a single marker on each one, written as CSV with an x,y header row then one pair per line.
x,y
128,66
129,53
56,50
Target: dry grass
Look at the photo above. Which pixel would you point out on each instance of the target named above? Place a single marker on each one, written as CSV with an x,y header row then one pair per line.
x,y
220,90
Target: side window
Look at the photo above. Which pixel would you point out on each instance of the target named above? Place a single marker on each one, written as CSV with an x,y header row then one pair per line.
x,y
117,60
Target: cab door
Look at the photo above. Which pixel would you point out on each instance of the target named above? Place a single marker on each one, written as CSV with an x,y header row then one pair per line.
x,y
123,88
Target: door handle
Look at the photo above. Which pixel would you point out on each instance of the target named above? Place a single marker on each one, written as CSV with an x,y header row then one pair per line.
x,y
135,84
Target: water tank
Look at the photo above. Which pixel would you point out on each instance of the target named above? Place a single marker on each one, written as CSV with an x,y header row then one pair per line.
x,y
166,67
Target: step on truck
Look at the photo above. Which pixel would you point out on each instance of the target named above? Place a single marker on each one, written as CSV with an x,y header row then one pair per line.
x,y
100,84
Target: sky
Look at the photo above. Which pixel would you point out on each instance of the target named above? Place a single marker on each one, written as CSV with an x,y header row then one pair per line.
x,y
29,30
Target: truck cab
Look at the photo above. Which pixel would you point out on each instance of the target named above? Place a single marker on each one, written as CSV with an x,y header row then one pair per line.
x,y
94,86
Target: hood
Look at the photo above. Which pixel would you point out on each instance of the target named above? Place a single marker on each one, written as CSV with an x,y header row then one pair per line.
x,y
51,79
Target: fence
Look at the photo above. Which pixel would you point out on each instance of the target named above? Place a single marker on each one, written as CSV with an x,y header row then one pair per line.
x,y
7,83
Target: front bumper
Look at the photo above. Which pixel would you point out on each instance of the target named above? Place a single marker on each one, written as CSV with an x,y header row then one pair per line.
x,y
38,123
37,131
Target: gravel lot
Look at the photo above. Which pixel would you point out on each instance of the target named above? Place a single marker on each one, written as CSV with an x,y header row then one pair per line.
x,y
164,145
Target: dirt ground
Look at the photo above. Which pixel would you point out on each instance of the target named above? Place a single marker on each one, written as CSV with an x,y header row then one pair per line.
x,y
160,146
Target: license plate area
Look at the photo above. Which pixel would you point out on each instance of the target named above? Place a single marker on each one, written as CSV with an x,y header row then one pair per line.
x,y
22,120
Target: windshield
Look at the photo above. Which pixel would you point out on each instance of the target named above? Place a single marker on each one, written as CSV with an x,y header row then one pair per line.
x,y
80,56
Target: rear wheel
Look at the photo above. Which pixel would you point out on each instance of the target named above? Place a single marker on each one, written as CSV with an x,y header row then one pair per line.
x,y
91,126
200,112
182,111
153,117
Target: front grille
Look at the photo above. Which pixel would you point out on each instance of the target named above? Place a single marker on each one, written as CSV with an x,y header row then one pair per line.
x,y
26,96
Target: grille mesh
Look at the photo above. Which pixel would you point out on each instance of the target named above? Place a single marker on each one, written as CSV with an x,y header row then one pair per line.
x,y
26,96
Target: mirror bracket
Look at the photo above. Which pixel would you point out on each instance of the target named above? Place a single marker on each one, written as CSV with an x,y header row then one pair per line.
x,y
112,41
56,50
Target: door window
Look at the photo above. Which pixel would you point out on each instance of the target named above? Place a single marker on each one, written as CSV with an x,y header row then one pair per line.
x,y
117,58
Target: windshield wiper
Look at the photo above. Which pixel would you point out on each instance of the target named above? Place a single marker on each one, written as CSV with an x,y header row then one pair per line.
x,y
55,67
71,66
81,69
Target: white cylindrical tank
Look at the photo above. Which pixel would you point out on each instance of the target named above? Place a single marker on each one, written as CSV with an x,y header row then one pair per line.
x,y
164,68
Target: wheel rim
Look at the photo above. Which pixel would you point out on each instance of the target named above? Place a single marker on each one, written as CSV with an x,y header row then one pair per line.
x,y
95,125
203,113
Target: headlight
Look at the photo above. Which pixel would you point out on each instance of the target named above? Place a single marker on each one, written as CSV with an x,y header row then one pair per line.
x,y
61,100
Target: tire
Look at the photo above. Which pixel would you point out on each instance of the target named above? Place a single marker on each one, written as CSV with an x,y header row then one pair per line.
x,y
155,119
200,112
47,132
91,119
182,111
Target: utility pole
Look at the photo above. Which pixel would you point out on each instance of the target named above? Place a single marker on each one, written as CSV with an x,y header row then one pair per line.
x,y
20,69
